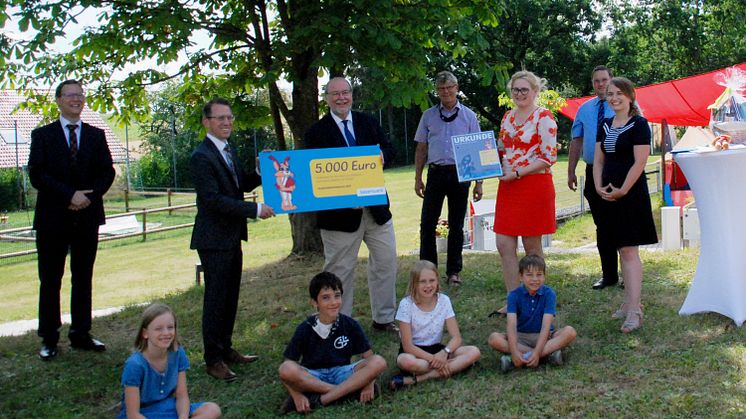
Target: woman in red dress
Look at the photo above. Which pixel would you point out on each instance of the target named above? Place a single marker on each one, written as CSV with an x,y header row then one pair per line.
x,y
525,196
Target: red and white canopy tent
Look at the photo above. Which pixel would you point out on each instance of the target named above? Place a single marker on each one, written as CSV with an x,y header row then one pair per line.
x,y
680,102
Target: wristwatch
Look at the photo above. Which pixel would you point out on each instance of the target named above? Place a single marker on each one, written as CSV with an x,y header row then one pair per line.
x,y
448,351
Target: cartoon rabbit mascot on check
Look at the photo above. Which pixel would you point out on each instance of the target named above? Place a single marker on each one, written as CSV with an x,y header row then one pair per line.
x,y
284,182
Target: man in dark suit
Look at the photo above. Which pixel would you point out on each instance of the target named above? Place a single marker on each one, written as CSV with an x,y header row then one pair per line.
x,y
343,230
219,227
70,166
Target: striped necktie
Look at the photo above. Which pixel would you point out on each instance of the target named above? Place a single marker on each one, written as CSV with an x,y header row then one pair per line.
x,y
229,160
73,141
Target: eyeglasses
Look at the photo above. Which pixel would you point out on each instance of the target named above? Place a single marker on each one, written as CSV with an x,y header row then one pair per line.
x,y
73,95
446,88
339,93
521,91
223,118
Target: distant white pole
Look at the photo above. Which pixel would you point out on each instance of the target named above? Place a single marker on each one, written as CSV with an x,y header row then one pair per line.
x,y
18,168
127,155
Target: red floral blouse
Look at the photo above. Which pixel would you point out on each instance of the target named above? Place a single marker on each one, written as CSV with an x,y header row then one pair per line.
x,y
534,139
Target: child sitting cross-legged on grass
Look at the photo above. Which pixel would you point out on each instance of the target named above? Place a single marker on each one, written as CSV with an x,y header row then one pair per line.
x,y
154,378
317,369
531,309
422,315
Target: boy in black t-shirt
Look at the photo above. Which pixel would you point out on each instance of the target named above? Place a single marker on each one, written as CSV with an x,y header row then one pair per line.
x,y
317,369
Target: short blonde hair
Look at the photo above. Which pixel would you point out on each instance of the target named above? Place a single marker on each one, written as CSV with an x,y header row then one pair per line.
x,y
537,83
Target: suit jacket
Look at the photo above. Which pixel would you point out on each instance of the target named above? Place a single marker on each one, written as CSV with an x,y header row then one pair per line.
x,y
56,177
220,223
326,134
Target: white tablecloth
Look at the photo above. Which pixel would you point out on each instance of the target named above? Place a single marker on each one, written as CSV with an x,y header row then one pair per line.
x,y
718,181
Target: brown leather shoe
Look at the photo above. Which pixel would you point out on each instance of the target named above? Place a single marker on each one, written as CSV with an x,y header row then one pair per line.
x,y
454,280
236,358
221,371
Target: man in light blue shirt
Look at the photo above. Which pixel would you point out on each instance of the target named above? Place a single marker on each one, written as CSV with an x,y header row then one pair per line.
x,y
584,130
437,125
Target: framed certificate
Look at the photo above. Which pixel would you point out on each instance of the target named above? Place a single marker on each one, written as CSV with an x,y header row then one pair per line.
x,y
322,178
476,156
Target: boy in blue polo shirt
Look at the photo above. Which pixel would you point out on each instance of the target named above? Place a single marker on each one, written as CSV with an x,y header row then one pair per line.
x,y
317,369
531,309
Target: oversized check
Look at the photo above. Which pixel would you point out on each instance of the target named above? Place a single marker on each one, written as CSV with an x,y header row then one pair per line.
x,y
322,178
476,156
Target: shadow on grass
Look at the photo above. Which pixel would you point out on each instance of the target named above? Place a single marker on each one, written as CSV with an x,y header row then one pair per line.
x,y
674,366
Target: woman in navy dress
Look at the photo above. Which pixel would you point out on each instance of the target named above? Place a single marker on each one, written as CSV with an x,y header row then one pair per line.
x,y
622,149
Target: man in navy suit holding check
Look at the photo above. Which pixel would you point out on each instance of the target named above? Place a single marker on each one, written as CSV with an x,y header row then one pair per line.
x,y
219,228
343,230
70,166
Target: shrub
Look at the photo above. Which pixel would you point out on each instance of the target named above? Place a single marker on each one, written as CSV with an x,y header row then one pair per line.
x,y
10,188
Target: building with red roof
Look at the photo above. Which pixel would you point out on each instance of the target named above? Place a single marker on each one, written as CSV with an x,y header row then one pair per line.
x,y
15,131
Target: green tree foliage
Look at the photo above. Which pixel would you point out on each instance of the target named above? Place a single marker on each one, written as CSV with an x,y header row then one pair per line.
x,y
658,40
254,44
550,38
153,170
173,130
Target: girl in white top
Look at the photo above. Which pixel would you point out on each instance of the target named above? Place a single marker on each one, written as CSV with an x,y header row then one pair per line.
x,y
421,315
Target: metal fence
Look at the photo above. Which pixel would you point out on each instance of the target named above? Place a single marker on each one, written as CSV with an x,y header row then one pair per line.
x,y
136,216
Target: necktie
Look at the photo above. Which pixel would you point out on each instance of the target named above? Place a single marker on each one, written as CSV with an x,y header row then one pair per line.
x,y
73,141
348,135
229,160
601,112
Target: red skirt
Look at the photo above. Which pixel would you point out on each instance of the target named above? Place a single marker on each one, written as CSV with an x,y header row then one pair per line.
x,y
525,207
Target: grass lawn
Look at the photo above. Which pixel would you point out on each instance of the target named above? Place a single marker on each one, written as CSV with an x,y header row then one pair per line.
x,y
673,367
130,271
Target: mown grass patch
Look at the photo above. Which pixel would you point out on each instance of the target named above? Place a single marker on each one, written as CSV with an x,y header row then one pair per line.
x,y
673,367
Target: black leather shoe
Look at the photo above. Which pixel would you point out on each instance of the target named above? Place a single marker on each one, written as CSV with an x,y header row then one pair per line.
x,y
47,352
602,283
87,343
386,327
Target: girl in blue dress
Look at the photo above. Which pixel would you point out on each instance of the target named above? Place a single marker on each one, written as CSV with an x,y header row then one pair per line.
x,y
154,376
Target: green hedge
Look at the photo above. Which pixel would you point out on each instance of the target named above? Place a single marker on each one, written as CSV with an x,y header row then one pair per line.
x,y
10,187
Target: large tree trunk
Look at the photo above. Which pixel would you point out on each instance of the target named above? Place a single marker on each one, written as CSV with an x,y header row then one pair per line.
x,y
306,237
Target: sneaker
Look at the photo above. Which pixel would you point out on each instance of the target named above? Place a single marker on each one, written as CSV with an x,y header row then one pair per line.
x,y
506,364
555,358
